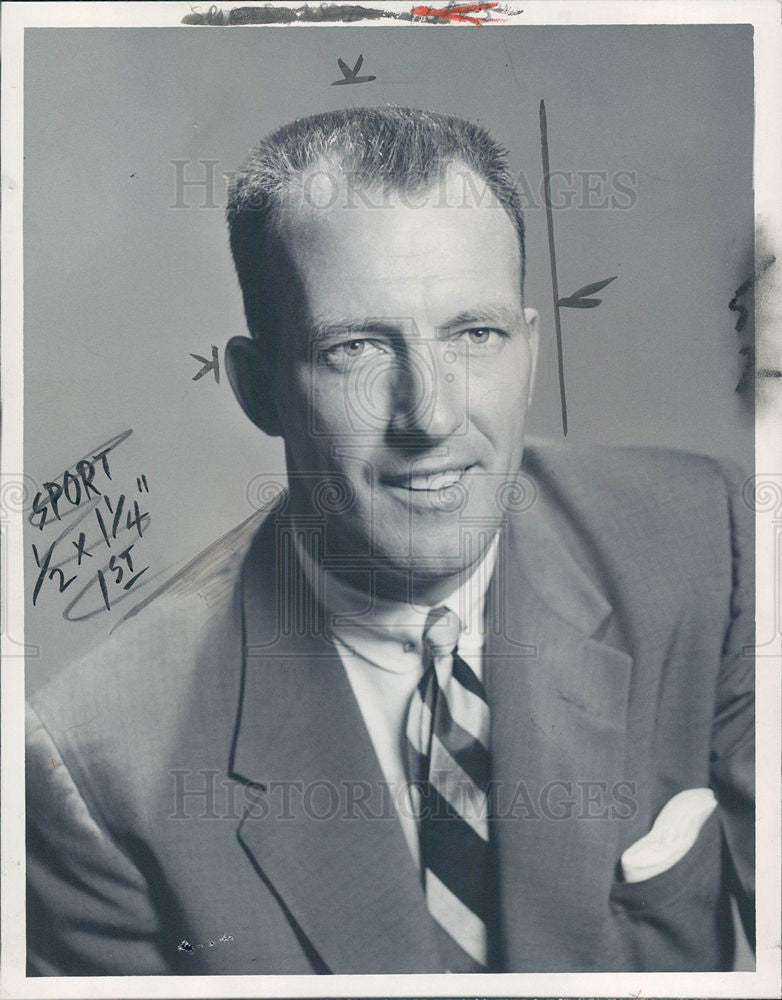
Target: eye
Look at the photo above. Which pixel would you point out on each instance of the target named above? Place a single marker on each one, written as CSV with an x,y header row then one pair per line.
x,y
479,336
483,336
341,355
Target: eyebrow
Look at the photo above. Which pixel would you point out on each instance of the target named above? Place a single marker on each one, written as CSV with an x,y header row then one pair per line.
x,y
327,328
485,314
489,313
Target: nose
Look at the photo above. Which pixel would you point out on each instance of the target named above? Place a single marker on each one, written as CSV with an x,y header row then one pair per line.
x,y
429,392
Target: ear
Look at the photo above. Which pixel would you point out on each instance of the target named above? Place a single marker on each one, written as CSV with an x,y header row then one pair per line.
x,y
252,383
532,319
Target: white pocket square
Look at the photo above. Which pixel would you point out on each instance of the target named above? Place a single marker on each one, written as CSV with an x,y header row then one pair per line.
x,y
674,832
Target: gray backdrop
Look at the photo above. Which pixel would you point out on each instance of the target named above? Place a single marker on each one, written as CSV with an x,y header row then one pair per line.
x,y
121,287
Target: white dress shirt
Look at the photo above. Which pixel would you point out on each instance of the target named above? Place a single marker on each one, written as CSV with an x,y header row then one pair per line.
x,y
382,650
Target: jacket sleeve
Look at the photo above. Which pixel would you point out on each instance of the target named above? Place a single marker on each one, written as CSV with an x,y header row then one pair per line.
x,y
89,910
733,729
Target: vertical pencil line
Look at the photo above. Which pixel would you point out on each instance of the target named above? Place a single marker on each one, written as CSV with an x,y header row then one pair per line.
x,y
553,259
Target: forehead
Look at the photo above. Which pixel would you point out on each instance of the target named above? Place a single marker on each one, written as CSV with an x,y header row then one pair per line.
x,y
384,253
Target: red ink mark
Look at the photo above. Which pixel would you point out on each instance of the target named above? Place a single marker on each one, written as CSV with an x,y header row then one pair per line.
x,y
457,12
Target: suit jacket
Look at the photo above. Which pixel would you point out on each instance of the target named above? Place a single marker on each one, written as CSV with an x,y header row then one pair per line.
x,y
204,796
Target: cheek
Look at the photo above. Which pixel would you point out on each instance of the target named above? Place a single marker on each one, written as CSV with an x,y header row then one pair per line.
x,y
358,402
297,411
320,410
499,394
325,400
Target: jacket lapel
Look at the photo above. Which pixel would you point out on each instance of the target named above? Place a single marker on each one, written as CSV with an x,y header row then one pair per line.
x,y
558,694
324,833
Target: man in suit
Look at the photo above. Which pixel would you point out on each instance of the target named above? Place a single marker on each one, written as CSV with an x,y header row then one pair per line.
x,y
451,703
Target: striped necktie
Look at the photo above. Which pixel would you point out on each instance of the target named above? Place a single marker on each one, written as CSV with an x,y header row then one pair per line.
x,y
448,761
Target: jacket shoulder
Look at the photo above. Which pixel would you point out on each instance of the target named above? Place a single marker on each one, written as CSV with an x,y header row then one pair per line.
x,y
656,491
648,513
629,468
183,638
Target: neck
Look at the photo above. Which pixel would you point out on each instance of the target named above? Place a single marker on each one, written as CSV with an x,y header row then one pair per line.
x,y
403,586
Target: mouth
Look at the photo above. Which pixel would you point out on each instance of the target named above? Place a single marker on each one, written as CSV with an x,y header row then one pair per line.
x,y
428,481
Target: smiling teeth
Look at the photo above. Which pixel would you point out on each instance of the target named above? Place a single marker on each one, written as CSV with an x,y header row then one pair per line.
x,y
437,480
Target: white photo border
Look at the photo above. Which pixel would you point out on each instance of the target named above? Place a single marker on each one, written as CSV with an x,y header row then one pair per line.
x,y
765,981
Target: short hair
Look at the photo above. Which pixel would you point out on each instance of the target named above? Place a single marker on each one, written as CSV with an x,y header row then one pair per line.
x,y
396,148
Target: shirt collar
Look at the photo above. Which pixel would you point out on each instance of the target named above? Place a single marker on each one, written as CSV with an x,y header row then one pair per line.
x,y
389,633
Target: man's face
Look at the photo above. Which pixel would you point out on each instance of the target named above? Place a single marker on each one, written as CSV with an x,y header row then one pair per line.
x,y
406,373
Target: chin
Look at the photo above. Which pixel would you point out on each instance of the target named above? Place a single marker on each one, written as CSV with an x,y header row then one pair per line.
x,y
437,549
